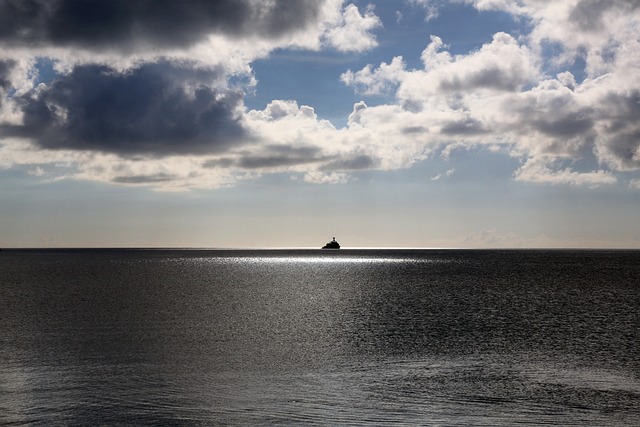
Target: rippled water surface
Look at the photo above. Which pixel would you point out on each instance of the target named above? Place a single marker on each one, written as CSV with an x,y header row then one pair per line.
x,y
349,337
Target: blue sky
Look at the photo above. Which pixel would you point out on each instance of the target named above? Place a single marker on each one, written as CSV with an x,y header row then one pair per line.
x,y
417,123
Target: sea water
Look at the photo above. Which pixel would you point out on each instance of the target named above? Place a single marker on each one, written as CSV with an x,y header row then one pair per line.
x,y
310,337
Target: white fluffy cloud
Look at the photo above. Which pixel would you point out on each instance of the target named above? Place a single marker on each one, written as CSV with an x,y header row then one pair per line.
x,y
353,31
500,66
381,80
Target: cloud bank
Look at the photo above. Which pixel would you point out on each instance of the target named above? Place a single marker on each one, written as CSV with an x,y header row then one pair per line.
x,y
152,93
126,26
504,95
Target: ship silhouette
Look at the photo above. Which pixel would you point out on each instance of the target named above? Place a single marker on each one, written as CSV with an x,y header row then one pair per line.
x,y
332,245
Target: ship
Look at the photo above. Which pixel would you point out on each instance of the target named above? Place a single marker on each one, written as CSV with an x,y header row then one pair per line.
x,y
332,245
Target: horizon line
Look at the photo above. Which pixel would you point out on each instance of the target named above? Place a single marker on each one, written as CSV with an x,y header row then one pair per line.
x,y
214,248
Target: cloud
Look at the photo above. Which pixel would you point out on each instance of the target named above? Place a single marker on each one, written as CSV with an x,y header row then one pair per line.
x,y
5,68
137,82
228,33
500,66
145,78
354,117
447,174
431,7
618,142
317,177
353,31
143,24
463,125
588,15
594,30
294,139
281,156
502,96
549,119
144,179
379,81
156,109
357,162
538,172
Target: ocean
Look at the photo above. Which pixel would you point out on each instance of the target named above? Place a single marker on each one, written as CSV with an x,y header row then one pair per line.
x,y
311,337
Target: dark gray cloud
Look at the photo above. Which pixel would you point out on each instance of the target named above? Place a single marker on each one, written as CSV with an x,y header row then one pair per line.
x,y
413,130
587,14
281,155
157,108
144,179
555,115
467,126
491,77
266,162
564,124
621,110
223,163
624,149
123,24
6,65
359,162
622,133
276,156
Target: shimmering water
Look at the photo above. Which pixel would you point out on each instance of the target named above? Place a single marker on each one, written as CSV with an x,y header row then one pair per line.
x,y
353,337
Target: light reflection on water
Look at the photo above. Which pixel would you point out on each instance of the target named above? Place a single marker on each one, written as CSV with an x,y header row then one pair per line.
x,y
350,338
316,260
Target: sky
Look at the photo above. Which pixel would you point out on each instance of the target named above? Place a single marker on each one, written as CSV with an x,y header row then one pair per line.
x,y
277,123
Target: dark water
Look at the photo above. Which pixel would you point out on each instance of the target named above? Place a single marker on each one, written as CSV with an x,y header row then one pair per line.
x,y
104,337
